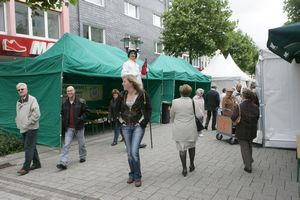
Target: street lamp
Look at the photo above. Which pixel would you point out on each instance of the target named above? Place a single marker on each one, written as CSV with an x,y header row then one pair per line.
x,y
128,41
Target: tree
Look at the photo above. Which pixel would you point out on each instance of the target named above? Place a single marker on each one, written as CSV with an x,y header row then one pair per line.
x,y
243,51
292,7
198,27
46,4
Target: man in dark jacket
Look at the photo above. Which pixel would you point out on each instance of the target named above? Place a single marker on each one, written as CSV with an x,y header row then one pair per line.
x,y
247,127
73,112
212,100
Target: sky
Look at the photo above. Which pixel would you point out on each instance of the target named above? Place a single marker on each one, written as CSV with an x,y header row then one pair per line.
x,y
256,17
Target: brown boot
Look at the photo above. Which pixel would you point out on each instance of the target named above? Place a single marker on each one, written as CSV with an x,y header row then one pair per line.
x,y
23,172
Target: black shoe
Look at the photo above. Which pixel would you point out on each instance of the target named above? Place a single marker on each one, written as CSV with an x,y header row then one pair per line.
x,y
184,172
205,127
82,160
247,170
214,129
33,167
192,168
61,166
143,145
113,144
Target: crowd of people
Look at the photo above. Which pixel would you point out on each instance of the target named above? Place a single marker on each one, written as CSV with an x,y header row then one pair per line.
x,y
130,112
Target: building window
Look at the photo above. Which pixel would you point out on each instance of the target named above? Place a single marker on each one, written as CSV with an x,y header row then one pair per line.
x,y
157,21
158,48
94,34
42,24
38,24
131,10
22,25
53,24
97,2
2,17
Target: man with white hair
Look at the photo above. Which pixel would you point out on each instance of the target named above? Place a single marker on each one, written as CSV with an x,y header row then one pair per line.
x,y
74,111
27,121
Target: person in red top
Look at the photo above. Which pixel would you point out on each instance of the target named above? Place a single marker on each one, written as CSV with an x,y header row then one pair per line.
x,y
74,112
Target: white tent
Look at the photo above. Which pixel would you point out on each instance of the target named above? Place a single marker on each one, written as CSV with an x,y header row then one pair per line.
x,y
278,84
235,67
223,74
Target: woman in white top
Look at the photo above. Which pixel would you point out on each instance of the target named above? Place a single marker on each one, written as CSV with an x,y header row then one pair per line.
x,y
130,67
184,127
198,99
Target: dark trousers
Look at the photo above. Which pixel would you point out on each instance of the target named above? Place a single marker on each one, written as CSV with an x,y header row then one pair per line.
x,y
31,154
246,150
214,118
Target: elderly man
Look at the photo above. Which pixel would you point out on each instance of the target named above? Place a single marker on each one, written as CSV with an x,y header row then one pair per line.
x,y
74,111
27,120
212,100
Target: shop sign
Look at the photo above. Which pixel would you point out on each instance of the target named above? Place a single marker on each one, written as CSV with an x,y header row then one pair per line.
x,y
20,46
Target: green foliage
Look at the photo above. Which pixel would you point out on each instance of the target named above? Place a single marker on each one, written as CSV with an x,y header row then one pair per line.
x,y
243,51
9,144
46,4
292,7
198,27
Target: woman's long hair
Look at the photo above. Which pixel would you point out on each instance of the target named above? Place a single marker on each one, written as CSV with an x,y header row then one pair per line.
x,y
132,79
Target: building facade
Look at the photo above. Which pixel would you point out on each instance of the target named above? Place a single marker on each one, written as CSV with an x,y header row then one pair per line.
x,y
110,21
25,34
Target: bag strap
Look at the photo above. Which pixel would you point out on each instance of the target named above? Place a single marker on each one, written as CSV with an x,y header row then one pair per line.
x,y
194,107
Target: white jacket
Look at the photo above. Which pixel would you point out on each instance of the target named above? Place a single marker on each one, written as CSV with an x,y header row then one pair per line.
x,y
28,114
182,114
132,68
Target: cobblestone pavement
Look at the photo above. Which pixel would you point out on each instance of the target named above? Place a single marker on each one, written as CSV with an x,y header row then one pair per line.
x,y
219,172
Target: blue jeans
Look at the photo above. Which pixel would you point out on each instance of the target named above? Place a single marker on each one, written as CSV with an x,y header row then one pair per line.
x,y
31,153
69,134
133,135
116,125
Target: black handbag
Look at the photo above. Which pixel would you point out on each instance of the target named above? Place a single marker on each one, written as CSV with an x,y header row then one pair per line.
x,y
199,125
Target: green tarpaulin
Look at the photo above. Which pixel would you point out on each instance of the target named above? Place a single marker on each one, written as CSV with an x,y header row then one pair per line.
x,y
80,61
175,72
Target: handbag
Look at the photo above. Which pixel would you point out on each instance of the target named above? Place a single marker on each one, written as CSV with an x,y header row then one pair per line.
x,y
199,125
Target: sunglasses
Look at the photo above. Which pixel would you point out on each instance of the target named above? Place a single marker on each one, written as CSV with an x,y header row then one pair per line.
x,y
21,89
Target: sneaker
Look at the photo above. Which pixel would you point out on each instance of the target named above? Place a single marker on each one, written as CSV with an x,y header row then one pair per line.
x,y
201,135
138,183
61,166
130,180
82,160
23,172
113,144
33,167
143,145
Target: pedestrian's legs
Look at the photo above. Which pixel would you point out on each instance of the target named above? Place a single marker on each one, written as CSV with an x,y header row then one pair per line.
x,y
116,132
214,120
207,118
133,136
81,143
182,155
250,146
29,139
192,152
245,150
64,159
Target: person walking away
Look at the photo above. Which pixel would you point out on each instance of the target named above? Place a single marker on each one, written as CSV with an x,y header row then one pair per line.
x,y
74,112
213,101
237,93
27,121
247,127
198,99
184,129
113,115
135,113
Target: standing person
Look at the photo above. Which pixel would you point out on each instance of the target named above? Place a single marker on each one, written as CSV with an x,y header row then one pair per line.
x,y
113,115
27,121
222,96
184,127
247,127
74,111
228,103
237,93
213,101
198,99
135,111
130,67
